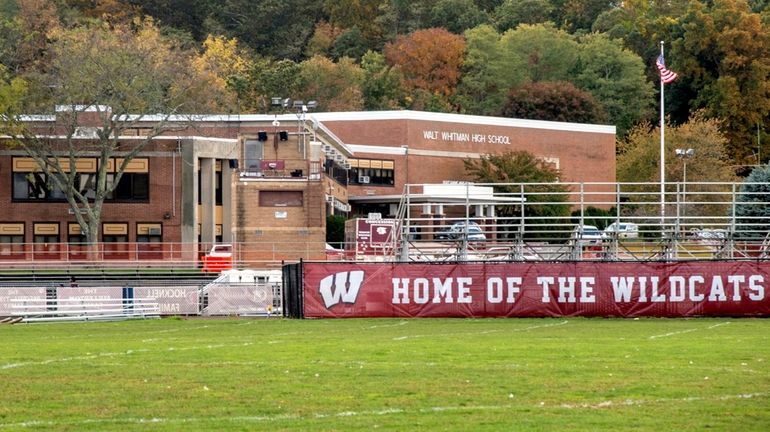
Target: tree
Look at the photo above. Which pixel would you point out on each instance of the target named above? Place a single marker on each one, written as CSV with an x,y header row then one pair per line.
x,y
723,56
265,79
429,59
554,101
277,29
488,72
24,30
323,39
216,70
524,167
116,76
614,76
511,13
335,230
361,14
579,15
350,44
548,54
639,159
336,86
457,15
752,210
382,87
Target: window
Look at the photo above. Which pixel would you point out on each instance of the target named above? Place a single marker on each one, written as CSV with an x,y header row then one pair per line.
x,y
149,237
30,184
77,242
11,240
132,187
371,172
36,186
115,238
252,155
280,198
46,240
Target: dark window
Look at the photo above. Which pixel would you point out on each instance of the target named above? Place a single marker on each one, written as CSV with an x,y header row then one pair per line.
x,y
372,176
132,187
36,186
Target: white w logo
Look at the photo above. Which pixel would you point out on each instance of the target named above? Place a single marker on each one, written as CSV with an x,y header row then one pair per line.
x,y
345,287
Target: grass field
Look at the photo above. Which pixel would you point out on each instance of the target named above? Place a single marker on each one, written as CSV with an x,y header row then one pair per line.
x,y
389,374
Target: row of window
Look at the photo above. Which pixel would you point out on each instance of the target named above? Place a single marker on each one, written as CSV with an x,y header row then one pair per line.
x,y
13,235
38,186
29,183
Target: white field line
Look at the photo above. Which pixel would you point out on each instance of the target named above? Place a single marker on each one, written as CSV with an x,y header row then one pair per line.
x,y
688,330
484,332
116,354
398,324
383,412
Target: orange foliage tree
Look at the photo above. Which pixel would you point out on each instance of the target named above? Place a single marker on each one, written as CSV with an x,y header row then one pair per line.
x,y
429,59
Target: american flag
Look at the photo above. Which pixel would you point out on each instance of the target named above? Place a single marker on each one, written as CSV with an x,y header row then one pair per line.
x,y
666,75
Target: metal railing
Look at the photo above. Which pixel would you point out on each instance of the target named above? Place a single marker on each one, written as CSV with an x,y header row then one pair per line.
x,y
585,221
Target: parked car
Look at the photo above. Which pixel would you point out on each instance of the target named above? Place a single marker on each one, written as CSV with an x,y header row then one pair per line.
x,y
621,230
458,231
586,234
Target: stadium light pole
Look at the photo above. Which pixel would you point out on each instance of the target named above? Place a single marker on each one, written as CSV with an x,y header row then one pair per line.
x,y
684,154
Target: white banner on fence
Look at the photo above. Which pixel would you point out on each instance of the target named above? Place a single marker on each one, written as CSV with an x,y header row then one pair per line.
x,y
171,300
235,299
18,294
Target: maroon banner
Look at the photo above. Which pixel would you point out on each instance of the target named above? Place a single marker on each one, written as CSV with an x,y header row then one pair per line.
x,y
610,289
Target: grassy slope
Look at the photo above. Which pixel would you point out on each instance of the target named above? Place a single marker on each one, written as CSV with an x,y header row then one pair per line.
x,y
420,374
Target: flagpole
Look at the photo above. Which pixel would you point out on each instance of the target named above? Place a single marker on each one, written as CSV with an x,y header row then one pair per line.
x,y
662,153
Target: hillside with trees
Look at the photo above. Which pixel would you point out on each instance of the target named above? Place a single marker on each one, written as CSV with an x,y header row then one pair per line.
x,y
580,61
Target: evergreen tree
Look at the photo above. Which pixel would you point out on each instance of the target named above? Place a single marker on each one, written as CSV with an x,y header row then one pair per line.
x,y
752,210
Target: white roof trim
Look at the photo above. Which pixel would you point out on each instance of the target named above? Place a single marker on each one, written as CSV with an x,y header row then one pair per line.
x,y
464,119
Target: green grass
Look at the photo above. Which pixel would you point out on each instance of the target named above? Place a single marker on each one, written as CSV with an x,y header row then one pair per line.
x,y
392,374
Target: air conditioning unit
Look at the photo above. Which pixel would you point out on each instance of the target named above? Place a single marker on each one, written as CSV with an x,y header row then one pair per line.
x,y
153,231
329,198
326,148
363,179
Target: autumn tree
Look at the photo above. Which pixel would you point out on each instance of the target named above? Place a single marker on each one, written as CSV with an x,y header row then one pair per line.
x,y
554,101
24,27
336,86
217,70
323,39
118,76
274,29
265,79
429,60
359,14
639,158
723,57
